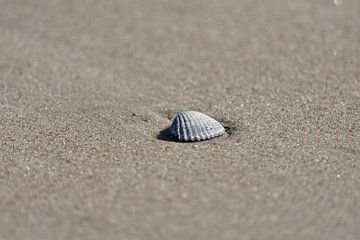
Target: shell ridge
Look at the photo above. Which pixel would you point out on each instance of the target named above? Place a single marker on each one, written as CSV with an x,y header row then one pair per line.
x,y
183,128
207,129
173,127
189,127
197,129
201,130
178,126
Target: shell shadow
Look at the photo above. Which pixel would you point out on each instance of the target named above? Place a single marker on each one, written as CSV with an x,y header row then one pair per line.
x,y
232,128
166,135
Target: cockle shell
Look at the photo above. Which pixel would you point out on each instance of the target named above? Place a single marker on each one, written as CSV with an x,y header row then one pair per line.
x,y
195,126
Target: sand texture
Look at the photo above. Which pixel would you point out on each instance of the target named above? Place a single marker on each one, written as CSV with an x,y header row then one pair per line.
x,y
86,87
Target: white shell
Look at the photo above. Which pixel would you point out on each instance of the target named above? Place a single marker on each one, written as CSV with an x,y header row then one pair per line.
x,y
195,126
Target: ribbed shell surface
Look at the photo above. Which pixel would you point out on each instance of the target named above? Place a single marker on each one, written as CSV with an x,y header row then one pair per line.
x,y
195,126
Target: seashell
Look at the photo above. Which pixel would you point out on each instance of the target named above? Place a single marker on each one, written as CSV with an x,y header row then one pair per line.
x,y
195,126
337,2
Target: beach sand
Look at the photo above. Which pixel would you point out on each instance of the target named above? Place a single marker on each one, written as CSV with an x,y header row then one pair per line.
x,y
86,87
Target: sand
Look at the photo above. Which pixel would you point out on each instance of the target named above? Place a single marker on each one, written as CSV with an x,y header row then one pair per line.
x,y
86,87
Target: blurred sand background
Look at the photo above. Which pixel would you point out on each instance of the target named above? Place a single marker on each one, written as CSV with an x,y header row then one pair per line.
x,y
86,86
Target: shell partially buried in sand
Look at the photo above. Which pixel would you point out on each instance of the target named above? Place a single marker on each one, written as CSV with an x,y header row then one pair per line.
x,y
195,126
